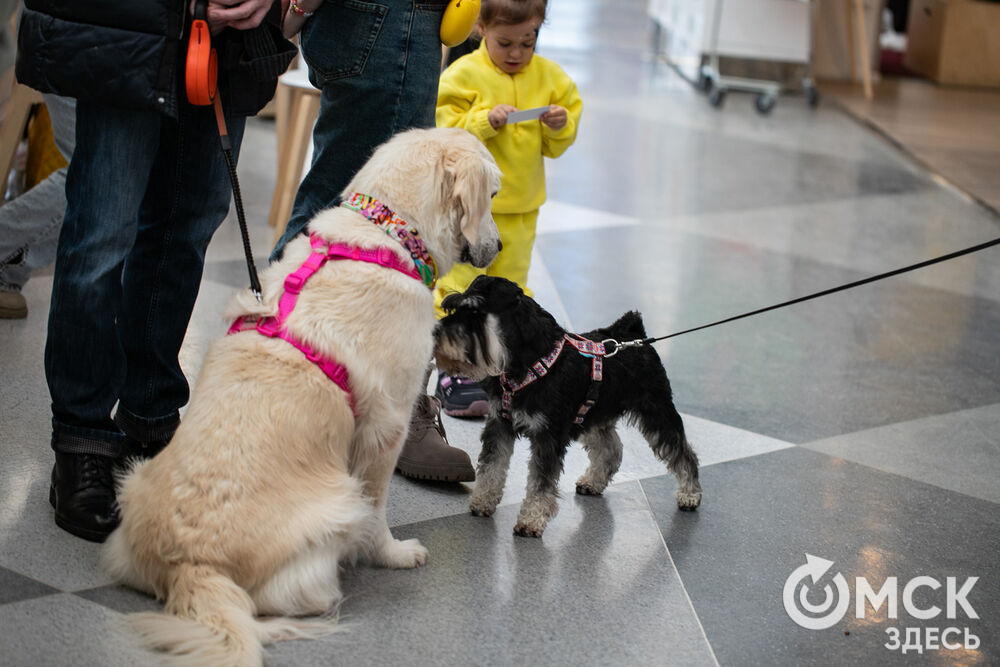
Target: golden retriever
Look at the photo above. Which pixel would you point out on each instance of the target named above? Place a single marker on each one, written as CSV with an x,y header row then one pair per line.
x,y
274,476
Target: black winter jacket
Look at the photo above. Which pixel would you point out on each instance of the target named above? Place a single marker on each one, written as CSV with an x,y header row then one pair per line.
x,y
131,54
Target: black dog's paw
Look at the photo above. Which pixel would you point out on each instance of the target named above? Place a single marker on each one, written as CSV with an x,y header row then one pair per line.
x,y
525,530
688,501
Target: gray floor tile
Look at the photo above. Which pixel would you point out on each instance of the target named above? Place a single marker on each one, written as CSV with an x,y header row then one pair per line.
x,y
958,451
597,589
121,599
719,172
911,228
761,515
66,630
14,587
882,353
415,500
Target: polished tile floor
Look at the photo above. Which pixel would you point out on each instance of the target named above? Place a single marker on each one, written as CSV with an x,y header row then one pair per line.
x,y
861,428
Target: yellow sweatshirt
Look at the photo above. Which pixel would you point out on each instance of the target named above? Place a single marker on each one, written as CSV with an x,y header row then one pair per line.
x,y
473,85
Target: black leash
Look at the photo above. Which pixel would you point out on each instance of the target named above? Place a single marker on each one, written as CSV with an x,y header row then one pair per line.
x,y
227,150
840,288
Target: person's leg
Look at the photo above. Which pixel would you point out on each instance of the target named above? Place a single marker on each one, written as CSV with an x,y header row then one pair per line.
x,y
30,224
459,396
455,281
84,360
182,209
378,74
517,233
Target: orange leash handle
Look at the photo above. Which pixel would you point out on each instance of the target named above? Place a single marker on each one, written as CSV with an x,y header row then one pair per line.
x,y
202,66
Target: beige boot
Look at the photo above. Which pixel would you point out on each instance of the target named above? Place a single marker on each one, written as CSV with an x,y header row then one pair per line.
x,y
426,454
12,305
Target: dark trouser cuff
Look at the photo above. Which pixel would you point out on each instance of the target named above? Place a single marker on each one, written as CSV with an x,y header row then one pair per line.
x,y
160,429
93,443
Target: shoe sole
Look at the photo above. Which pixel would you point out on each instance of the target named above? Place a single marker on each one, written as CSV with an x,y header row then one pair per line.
x,y
462,476
474,409
13,313
72,528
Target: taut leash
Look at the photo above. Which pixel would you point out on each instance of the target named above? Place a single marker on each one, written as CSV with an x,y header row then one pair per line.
x,y
618,345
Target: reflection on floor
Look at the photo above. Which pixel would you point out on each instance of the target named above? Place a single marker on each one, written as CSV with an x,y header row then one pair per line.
x,y
860,428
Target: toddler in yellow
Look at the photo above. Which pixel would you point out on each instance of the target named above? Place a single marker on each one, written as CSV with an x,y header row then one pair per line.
x,y
478,92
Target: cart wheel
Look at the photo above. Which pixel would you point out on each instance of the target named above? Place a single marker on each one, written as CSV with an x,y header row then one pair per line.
x,y
716,97
703,82
765,102
812,96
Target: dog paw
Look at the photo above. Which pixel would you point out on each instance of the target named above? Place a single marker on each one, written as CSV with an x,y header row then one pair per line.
x,y
586,489
480,508
528,530
688,501
404,554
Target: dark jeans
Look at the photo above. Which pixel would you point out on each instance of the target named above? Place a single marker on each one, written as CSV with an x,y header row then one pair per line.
x,y
145,194
377,65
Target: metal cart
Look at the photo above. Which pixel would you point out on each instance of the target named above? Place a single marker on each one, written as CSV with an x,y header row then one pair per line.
x,y
716,85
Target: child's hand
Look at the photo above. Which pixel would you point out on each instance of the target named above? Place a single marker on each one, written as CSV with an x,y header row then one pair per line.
x,y
555,118
498,115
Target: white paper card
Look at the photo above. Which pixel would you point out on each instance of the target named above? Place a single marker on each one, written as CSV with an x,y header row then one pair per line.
x,y
527,114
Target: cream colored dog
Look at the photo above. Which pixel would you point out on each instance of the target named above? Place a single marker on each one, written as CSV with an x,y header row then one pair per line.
x,y
271,480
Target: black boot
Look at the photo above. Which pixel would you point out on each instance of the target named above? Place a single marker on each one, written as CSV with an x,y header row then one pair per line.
x,y
83,495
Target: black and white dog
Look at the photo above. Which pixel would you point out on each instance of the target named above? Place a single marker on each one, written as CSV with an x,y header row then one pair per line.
x,y
554,387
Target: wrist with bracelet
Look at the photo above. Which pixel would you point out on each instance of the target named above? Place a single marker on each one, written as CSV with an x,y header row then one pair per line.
x,y
294,7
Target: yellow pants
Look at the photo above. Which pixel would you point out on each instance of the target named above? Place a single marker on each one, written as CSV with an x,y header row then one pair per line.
x,y
517,234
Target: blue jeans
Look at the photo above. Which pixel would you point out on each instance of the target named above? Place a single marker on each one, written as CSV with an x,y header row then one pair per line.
x,y
377,65
145,194
29,225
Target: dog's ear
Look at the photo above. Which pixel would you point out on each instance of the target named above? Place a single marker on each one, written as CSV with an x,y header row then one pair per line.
x,y
453,302
467,182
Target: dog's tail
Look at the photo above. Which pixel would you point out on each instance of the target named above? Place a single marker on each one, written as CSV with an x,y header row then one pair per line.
x,y
209,620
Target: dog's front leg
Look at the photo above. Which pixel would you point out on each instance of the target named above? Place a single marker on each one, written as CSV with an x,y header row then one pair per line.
x,y
494,459
386,550
541,502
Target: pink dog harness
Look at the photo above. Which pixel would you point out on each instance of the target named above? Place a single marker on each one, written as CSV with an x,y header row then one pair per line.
x,y
274,326
540,369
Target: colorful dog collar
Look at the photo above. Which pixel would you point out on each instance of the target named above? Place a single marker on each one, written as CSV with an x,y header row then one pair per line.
x,y
397,229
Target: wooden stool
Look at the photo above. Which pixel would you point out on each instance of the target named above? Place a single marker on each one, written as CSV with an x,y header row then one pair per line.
x,y
296,108
14,120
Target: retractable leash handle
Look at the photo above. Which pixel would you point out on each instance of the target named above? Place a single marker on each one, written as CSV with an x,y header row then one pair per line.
x,y
201,73
202,67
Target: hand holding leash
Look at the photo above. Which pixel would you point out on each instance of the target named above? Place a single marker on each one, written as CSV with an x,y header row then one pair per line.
x,y
236,14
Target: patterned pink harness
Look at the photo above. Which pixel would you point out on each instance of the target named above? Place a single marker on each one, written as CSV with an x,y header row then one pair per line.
x,y
540,369
274,327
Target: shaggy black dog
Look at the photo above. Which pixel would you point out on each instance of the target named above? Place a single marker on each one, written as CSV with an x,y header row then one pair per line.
x,y
554,387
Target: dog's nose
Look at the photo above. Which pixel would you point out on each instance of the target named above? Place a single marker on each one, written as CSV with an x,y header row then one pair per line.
x,y
499,245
